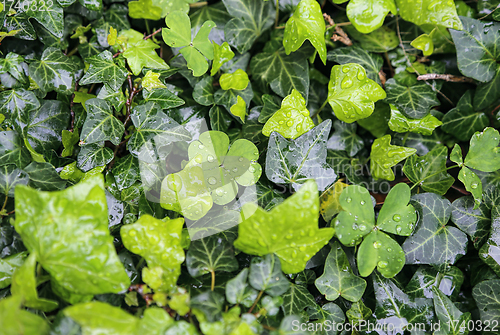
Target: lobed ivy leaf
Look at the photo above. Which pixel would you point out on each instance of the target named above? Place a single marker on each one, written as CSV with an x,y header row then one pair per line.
x,y
10,177
401,124
414,101
306,23
238,291
100,123
222,55
426,278
250,20
9,265
292,119
16,101
48,14
55,71
345,138
142,54
338,278
163,97
126,171
209,255
302,239
484,154
430,12
473,221
296,299
16,320
384,156
430,171
92,156
486,296
370,62
203,92
463,121
296,161
265,275
351,94
103,70
62,241
433,242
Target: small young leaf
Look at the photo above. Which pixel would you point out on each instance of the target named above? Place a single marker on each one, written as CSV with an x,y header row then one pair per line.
x,y
222,55
236,81
351,94
424,43
367,16
384,156
401,124
472,184
142,54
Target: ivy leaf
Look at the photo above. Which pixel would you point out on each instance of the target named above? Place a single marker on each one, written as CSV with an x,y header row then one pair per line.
x,y
48,14
358,312
296,161
126,171
16,320
491,249
239,109
380,251
384,156
302,238
401,124
10,177
433,242
370,62
338,279
203,92
69,140
395,305
16,101
238,291
178,34
43,176
145,9
296,299
153,128
84,224
414,101
8,266
236,81
474,222
306,23
55,71
93,155
330,201
265,275
367,16
103,70
24,284
351,94
428,11
160,244
250,20
143,54
396,216
292,119
486,296
383,39
345,138
100,124
163,97
209,255
484,154
477,56
472,184
424,43
426,277
283,73
222,55
462,121
43,127
219,118
429,171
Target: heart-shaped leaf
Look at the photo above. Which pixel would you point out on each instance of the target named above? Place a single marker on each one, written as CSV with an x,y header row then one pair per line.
x,y
484,153
380,251
396,215
367,16
222,55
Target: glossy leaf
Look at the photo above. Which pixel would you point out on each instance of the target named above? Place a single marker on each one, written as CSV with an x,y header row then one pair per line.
x,y
235,81
103,70
472,184
486,296
330,200
414,101
16,320
250,20
484,154
62,241
222,54
142,54
8,266
397,216
381,40
351,94
238,291
338,278
209,255
401,124
296,299
296,161
100,124
16,101
345,138
441,13
475,222
433,241
424,43
306,23
265,275
430,171
292,119
367,16
491,249
159,243
10,177
302,236
370,62
384,156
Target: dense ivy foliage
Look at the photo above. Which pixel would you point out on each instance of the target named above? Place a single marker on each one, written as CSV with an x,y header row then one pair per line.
x,y
239,167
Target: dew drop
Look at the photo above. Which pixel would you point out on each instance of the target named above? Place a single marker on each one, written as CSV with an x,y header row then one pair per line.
x,y
299,127
210,158
473,185
345,69
382,264
281,122
361,75
302,249
220,192
201,147
377,244
362,227
251,169
362,202
348,199
240,159
398,229
212,180
262,242
289,123
396,217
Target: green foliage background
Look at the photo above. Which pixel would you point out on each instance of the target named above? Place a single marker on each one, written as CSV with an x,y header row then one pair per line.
x,y
322,106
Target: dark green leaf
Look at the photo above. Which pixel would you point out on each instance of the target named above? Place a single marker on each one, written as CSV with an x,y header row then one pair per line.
x,y
209,255
100,124
414,101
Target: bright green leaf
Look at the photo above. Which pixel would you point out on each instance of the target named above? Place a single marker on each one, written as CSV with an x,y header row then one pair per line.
x,y
384,156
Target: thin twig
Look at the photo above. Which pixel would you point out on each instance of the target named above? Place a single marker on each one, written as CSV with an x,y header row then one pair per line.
x,y
382,77
446,77
255,302
339,35
117,54
152,34
391,69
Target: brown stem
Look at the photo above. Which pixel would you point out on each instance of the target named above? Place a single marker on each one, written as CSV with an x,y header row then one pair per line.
x,y
446,77
256,301
391,69
339,35
198,4
117,54
152,34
